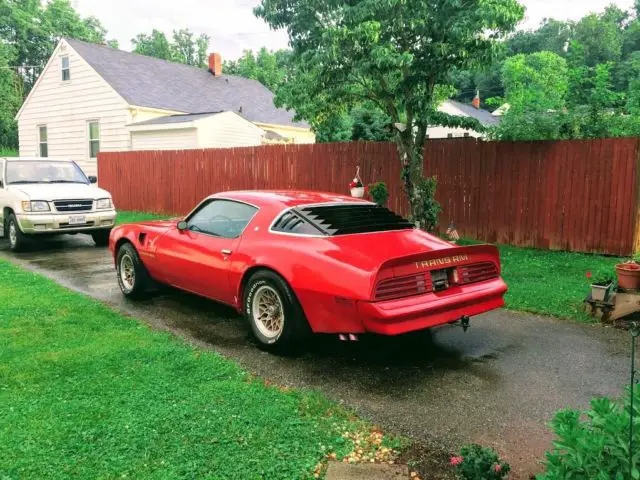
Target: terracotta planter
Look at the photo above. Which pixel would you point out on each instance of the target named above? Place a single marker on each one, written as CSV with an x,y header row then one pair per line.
x,y
628,276
357,192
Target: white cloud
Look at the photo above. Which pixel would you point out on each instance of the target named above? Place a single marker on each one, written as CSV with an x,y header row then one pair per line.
x,y
233,27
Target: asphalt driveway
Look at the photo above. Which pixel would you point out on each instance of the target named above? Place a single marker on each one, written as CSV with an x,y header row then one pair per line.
x,y
497,384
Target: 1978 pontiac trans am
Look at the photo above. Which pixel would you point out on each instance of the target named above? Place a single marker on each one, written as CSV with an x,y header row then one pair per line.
x,y
300,262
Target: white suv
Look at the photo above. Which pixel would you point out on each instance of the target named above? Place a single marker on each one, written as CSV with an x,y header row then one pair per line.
x,y
40,196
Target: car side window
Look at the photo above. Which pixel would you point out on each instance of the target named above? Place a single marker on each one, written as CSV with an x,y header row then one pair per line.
x,y
221,218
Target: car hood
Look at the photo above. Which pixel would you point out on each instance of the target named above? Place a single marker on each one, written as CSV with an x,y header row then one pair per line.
x,y
59,191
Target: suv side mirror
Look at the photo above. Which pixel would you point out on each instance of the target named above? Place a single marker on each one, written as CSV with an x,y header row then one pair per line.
x,y
182,225
93,179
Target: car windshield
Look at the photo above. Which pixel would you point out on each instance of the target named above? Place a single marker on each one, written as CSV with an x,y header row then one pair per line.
x,y
44,171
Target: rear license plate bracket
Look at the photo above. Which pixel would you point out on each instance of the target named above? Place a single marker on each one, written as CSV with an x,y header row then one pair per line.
x,y
439,280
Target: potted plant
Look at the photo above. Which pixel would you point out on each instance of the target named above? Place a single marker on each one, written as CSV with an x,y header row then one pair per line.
x,y
629,274
600,287
379,193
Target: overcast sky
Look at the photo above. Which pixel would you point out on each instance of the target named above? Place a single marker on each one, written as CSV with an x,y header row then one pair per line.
x,y
233,27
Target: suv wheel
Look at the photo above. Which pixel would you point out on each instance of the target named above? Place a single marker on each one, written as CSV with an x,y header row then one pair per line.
x,y
16,238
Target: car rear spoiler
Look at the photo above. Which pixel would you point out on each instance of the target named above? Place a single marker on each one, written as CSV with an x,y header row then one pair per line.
x,y
443,258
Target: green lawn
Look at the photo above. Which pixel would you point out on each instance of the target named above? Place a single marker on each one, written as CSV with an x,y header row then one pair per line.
x,y
89,393
131,217
550,283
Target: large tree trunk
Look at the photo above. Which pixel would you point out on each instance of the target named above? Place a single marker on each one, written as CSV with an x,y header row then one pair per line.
x,y
411,158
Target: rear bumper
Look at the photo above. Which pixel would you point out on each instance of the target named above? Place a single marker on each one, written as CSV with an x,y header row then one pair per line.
x,y
59,223
395,317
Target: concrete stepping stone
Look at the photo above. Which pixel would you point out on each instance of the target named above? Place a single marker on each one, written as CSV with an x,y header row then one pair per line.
x,y
366,471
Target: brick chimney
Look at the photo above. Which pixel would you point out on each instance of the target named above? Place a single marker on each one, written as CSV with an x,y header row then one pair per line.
x,y
215,64
476,100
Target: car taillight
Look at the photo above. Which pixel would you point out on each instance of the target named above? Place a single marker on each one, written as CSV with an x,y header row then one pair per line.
x,y
476,272
406,286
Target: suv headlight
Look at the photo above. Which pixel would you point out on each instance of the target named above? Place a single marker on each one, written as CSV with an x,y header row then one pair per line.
x,y
35,206
104,204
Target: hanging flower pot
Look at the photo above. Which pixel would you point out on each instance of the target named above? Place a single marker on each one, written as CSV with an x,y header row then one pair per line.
x,y
628,275
356,187
357,192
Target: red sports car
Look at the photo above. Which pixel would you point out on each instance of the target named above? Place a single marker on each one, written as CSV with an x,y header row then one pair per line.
x,y
300,262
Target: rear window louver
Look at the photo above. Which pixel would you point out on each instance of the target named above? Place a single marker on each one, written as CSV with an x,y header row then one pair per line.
x,y
346,219
287,222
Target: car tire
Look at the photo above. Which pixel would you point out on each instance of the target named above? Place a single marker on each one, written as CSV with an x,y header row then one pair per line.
x,y
133,278
101,237
274,313
17,239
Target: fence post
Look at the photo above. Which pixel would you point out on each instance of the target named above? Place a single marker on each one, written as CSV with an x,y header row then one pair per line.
x,y
636,217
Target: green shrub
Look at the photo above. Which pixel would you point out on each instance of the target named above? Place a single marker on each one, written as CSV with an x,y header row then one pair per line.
x,y
478,463
594,444
379,193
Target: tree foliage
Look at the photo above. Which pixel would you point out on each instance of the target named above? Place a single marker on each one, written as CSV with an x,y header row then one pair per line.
x,y
184,47
29,32
392,53
597,92
10,98
271,69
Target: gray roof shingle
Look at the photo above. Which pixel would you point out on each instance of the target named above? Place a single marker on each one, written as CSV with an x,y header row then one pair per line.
x,y
483,116
155,83
181,118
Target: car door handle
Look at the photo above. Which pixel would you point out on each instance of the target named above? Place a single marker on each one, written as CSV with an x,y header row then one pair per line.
x,y
226,251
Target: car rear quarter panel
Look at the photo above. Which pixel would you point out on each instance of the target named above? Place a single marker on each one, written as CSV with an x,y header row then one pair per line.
x,y
325,285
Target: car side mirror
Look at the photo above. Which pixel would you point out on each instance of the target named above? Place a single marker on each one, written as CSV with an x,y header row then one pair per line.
x,y
93,179
182,225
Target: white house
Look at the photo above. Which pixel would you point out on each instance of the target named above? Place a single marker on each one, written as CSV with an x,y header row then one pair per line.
x,y
92,98
452,107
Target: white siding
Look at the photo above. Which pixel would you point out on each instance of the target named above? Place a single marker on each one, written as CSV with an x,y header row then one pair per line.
x,y
299,135
66,107
141,114
444,132
177,139
227,130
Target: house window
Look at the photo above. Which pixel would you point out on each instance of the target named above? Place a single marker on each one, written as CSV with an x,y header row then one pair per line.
x,y
94,139
43,143
449,135
64,66
466,134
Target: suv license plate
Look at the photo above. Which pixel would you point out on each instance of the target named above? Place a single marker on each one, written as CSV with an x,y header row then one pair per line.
x,y
77,220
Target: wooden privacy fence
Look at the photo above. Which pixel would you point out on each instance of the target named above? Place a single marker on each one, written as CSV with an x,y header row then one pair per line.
x,y
578,195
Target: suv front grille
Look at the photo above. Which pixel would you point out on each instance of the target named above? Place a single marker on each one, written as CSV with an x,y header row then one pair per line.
x,y
73,205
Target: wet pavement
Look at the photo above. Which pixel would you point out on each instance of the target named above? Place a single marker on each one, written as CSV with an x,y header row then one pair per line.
x,y
498,384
